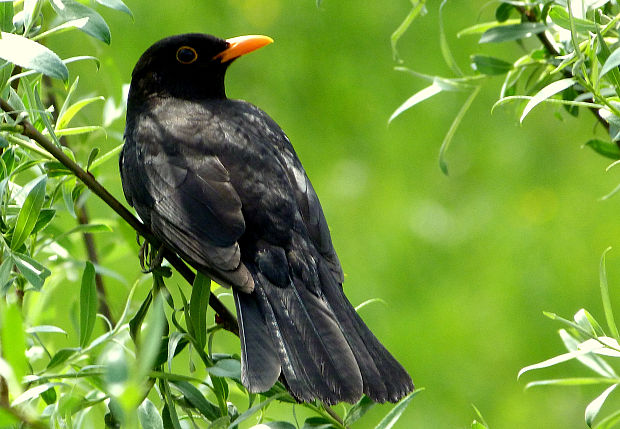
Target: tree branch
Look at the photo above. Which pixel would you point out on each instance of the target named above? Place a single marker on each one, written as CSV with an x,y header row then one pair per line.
x,y
229,322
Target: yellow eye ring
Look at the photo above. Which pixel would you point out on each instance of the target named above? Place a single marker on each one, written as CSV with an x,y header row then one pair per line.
x,y
186,55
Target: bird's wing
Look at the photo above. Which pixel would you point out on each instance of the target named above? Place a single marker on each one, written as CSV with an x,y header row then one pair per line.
x,y
190,203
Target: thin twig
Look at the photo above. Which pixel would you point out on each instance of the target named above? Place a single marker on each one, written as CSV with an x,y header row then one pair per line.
x,y
229,322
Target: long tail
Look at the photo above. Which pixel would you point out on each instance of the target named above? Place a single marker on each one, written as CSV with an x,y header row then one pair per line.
x,y
323,348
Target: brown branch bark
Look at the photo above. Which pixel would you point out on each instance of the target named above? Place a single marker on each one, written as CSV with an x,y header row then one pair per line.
x,y
228,320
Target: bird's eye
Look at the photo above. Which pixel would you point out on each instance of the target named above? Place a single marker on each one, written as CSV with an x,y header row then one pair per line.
x,y
186,55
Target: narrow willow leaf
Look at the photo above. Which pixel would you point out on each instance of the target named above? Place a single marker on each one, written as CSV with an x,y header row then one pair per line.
x,y
91,157
484,26
250,411
453,127
151,337
607,307
548,91
446,52
368,302
116,5
5,273
135,324
61,356
605,148
197,399
29,213
490,65
576,381
416,98
71,10
88,304
32,393
31,269
553,361
395,413
149,417
591,360
274,425
560,17
90,228
416,9
46,329
358,410
72,110
67,195
112,154
173,342
6,16
45,217
612,62
198,305
14,340
226,368
59,29
609,421
603,55
32,55
594,407
505,33
76,130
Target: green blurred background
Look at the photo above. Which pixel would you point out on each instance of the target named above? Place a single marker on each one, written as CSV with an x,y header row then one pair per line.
x,y
465,263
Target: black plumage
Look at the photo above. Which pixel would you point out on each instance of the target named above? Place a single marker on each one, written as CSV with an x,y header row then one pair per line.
x,y
218,181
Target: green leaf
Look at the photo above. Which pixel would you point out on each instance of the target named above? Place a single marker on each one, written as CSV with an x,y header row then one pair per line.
x,y
13,340
90,228
443,165
358,410
250,411
149,416
72,110
506,33
318,423
274,425
605,148
31,269
46,329
416,9
228,368
61,357
6,16
116,5
32,55
197,399
416,98
490,65
575,381
5,273
91,157
612,62
560,17
45,217
548,91
112,154
67,195
117,371
198,305
29,213
135,324
446,53
502,13
150,337
76,130
484,26
607,307
594,407
70,10
395,413
88,304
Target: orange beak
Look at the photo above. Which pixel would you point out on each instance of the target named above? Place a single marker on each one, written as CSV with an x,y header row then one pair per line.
x,y
242,45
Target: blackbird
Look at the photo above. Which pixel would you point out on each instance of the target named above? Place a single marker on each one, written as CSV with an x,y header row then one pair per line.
x,y
218,182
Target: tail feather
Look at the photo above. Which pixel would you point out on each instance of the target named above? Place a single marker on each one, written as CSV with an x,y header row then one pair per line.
x,y
260,364
384,377
322,365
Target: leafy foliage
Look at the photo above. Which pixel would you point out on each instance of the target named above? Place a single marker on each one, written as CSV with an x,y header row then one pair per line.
x,y
140,369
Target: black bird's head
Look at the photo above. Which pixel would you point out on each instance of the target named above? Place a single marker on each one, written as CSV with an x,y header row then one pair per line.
x,y
189,66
